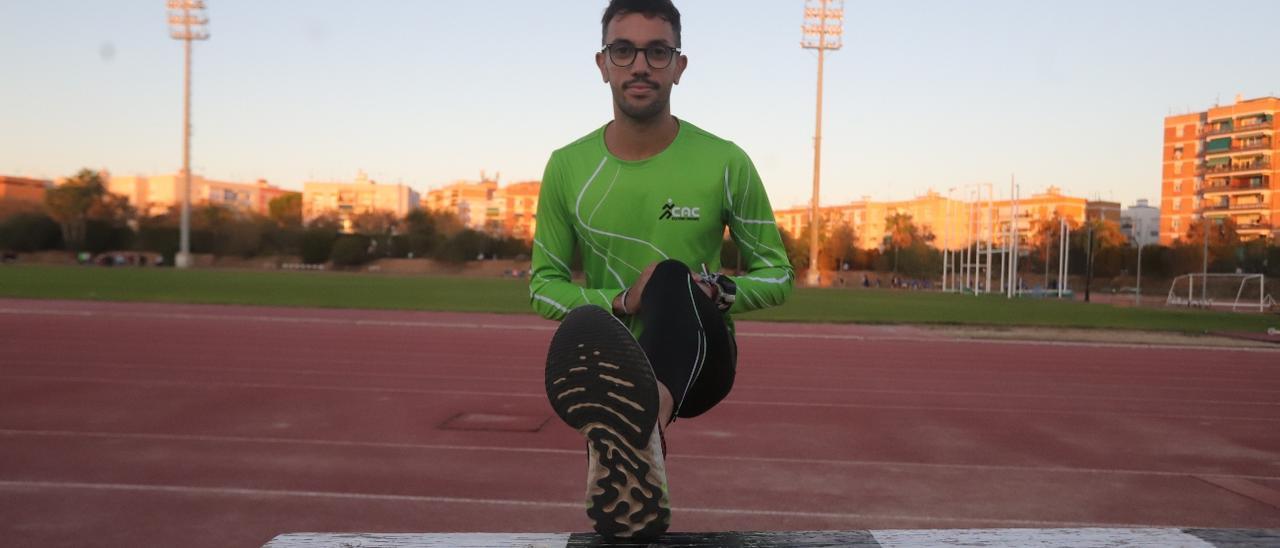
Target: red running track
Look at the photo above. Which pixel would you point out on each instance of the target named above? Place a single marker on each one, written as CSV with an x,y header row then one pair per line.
x,y
177,425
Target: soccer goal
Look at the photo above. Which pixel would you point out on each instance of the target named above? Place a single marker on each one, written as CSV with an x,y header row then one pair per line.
x,y
1233,291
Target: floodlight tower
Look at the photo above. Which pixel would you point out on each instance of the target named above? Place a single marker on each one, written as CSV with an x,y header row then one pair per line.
x,y
823,30
186,22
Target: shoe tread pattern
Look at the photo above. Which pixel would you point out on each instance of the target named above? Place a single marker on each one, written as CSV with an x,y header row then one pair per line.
x,y
600,383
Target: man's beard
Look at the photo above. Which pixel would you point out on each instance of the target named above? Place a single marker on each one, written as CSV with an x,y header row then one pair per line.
x,y
645,113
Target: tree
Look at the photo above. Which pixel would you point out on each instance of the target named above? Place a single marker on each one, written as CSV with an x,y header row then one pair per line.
x,y
900,232
82,198
1103,244
29,231
316,244
463,246
350,250
69,204
1223,242
374,223
286,210
420,237
797,247
839,248
1046,233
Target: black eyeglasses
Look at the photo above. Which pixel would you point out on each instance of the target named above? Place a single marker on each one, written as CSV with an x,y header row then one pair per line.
x,y
658,57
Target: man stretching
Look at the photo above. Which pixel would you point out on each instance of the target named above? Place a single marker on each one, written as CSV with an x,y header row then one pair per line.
x,y
645,201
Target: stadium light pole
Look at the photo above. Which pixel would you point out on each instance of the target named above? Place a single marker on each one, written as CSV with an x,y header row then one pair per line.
x,y
1137,293
823,30
1016,232
186,22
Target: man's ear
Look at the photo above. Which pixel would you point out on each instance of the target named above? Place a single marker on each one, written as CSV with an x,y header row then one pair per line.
x,y
604,71
682,63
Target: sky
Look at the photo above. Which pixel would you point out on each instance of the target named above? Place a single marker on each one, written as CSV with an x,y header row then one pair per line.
x,y
925,94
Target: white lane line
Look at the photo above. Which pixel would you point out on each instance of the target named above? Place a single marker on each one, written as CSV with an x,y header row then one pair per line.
x,y
577,454
1046,538
1028,342
551,327
525,380
540,395
271,386
858,373
377,497
279,319
420,540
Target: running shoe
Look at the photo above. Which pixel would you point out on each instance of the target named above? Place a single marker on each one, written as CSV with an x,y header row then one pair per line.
x,y
600,383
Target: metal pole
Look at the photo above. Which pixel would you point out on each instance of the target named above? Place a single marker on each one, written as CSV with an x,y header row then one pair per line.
x,y
991,233
1137,295
946,241
183,260
814,222
186,26
1008,245
1204,270
1066,256
964,253
1017,237
1062,245
974,232
970,249
1088,268
821,15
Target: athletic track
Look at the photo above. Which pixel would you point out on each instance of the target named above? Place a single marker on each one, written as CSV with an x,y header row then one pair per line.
x,y
179,425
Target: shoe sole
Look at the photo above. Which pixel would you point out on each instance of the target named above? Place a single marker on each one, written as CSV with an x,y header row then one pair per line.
x,y
601,384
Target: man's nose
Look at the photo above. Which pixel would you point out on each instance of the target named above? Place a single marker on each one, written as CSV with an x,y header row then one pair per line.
x,y
640,67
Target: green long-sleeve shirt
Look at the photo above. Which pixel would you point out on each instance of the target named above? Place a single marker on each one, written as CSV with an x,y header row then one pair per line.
x,y
625,215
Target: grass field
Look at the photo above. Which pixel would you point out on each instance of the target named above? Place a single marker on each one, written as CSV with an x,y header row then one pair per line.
x,y
510,296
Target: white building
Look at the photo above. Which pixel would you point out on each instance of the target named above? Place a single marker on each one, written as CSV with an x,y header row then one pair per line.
x,y
1141,223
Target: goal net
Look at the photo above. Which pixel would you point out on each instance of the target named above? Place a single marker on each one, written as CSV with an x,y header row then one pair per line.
x,y
1245,292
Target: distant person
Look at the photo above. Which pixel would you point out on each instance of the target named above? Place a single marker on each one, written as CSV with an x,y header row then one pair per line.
x,y
645,200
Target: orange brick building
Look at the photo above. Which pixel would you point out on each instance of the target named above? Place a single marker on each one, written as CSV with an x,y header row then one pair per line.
x,y
468,200
1219,164
155,194
22,189
517,209
950,221
504,211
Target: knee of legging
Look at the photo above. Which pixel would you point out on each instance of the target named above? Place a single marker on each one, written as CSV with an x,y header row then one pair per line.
x,y
669,273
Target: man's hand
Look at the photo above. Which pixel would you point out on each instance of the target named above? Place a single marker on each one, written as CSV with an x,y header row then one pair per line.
x,y
632,304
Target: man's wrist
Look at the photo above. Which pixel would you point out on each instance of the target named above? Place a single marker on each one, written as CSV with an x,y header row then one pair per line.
x,y
620,303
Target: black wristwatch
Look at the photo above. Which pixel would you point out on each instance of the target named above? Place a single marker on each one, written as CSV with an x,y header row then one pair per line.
x,y
726,290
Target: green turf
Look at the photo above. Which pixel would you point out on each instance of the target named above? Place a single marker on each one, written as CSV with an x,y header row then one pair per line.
x,y
459,294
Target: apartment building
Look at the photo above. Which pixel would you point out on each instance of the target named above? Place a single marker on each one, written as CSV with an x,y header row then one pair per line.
x,y
23,189
1221,164
483,205
468,200
1140,223
155,194
952,223
349,199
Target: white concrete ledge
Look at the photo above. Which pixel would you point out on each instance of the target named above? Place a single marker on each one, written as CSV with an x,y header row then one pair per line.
x,y
1086,538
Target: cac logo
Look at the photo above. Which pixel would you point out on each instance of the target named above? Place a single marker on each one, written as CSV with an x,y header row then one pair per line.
x,y
679,213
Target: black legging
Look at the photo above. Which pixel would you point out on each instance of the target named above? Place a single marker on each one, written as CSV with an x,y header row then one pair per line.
x,y
686,340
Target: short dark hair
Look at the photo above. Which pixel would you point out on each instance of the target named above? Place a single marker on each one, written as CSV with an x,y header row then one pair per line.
x,y
648,8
